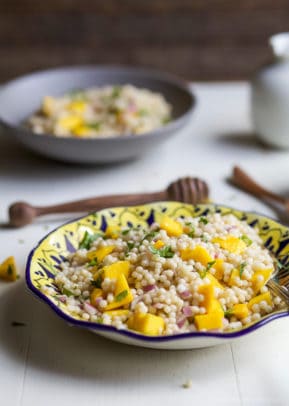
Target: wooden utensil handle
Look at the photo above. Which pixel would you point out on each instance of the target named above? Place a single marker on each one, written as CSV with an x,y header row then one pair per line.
x,y
245,182
101,202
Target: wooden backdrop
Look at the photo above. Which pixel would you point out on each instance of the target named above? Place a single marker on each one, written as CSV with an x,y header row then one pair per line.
x,y
197,39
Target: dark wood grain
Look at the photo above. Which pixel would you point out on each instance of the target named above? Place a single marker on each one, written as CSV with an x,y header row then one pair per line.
x,y
199,40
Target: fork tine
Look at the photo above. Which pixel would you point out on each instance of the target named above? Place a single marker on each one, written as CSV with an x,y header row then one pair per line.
x,y
278,290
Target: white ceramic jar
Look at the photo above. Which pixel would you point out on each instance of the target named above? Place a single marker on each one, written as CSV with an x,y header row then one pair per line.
x,y
270,96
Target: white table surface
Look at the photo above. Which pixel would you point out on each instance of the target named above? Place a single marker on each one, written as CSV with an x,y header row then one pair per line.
x,y
46,362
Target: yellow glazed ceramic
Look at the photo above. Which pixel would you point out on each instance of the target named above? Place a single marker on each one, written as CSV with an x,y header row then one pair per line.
x,y
44,262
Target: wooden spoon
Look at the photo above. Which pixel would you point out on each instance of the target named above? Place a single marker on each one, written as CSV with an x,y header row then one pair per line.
x,y
187,190
246,183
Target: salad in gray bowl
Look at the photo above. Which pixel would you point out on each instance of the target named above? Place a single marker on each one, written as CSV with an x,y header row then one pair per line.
x,y
92,114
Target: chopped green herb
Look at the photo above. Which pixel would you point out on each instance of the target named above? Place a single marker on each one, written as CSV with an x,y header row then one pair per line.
x,y
130,245
203,220
97,282
122,295
208,267
93,126
88,239
166,120
10,270
165,252
67,292
228,313
205,238
242,268
125,232
142,112
93,262
85,242
77,94
210,264
150,235
191,233
116,91
246,240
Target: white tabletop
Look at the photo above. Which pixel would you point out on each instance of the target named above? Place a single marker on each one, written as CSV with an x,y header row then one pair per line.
x,y
46,362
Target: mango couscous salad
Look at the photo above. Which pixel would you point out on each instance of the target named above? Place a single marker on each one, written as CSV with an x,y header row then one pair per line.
x,y
207,273
101,112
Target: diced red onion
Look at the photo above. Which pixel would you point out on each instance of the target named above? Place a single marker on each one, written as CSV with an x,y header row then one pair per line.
x,y
187,311
148,288
230,228
216,255
181,322
185,294
97,300
62,299
89,308
132,107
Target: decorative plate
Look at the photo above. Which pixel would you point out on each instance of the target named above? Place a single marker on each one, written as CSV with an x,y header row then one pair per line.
x,y
44,260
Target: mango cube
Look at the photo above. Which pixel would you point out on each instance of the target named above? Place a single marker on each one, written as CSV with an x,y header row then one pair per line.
x,y
97,274
260,278
48,105
69,122
231,244
260,298
210,321
8,270
147,323
198,254
214,281
216,307
240,311
82,130
233,277
219,268
172,227
96,293
114,271
112,232
209,295
123,295
77,106
159,244
100,253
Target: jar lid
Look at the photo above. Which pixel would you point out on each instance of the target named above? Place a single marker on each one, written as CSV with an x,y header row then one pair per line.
x,y
280,44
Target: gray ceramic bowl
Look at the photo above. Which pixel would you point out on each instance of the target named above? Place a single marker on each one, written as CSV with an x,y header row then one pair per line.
x,y
21,97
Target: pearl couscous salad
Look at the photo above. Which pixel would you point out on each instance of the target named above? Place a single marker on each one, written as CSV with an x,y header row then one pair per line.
x,y
101,112
207,273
